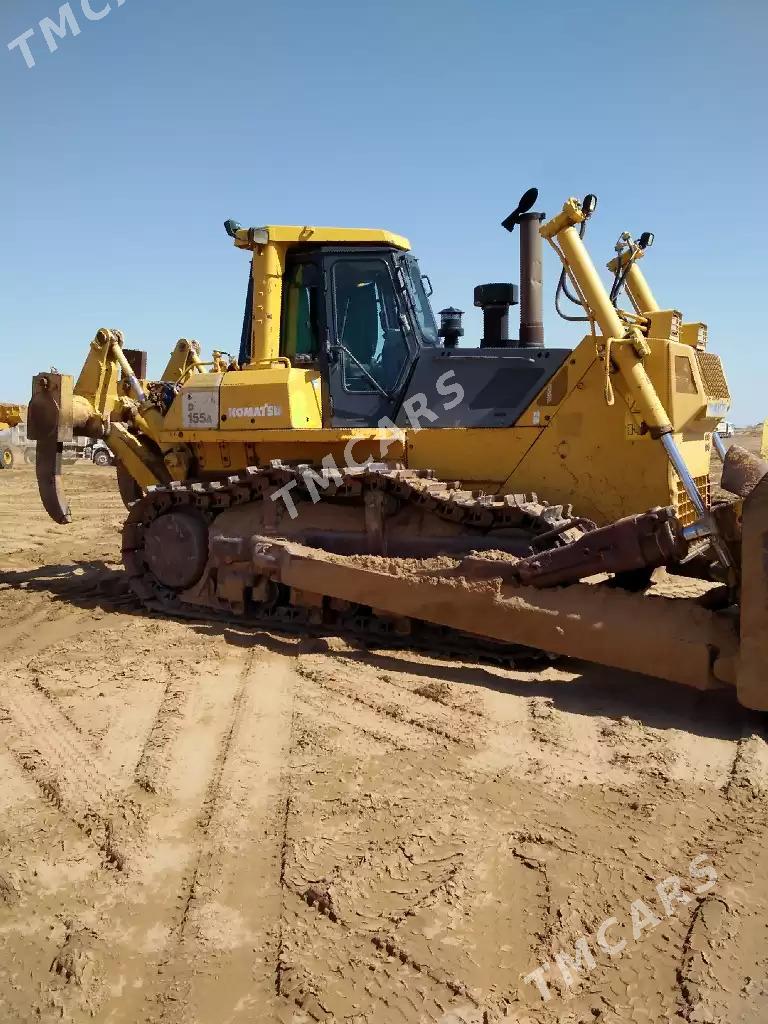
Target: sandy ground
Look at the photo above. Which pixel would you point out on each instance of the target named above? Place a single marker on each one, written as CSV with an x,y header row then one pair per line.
x,y
199,824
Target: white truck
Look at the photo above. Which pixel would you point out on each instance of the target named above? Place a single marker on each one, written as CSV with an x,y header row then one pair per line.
x,y
99,454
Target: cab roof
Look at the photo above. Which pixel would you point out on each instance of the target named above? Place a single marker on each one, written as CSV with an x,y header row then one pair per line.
x,y
249,238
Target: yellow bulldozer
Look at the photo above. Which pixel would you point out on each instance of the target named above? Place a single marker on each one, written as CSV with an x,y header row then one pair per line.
x,y
353,467
10,416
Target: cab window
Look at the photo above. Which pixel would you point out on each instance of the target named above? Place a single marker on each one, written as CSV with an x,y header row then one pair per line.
x,y
373,349
300,330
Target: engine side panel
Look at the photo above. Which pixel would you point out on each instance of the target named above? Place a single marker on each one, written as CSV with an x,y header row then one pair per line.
x,y
497,385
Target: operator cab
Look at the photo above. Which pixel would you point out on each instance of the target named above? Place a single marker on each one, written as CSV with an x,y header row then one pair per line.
x,y
355,307
361,316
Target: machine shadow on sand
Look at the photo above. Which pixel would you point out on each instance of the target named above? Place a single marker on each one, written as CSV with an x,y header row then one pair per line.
x,y
592,690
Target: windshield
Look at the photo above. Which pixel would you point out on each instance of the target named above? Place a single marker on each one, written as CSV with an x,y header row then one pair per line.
x,y
421,305
375,351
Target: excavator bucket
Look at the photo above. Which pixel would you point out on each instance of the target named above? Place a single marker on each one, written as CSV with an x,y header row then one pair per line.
x,y
752,679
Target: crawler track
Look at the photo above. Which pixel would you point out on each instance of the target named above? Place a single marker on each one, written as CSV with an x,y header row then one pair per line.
x,y
536,525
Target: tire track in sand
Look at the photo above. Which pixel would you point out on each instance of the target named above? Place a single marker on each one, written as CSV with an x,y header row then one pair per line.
x,y
127,921
153,760
227,935
48,746
40,630
403,714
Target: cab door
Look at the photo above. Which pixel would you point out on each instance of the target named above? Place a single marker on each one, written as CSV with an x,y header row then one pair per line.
x,y
370,347
304,324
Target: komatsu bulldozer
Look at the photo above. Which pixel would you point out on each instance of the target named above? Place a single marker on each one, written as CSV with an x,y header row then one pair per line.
x,y
353,467
10,417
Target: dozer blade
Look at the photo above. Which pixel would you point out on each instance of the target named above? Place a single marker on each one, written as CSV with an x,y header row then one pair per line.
x,y
752,679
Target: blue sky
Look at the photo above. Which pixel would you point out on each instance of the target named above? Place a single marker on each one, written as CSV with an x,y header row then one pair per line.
x,y
126,149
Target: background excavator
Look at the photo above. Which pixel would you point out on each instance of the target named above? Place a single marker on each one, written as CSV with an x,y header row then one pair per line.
x,y
264,485
10,417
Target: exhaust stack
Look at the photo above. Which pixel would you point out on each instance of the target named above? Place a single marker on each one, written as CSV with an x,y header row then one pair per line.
x,y
531,307
531,302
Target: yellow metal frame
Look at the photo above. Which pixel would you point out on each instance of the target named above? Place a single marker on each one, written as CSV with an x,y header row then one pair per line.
x,y
185,360
587,438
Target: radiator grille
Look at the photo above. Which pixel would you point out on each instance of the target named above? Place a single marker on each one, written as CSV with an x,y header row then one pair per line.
x,y
686,513
714,379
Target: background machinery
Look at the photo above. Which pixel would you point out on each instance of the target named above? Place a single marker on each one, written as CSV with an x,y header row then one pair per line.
x,y
10,416
99,454
17,448
261,485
